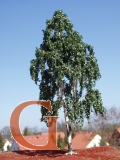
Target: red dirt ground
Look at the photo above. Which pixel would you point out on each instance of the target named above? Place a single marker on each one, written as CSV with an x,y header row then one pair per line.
x,y
96,153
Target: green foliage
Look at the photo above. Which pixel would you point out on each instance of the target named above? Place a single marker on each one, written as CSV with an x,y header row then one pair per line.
x,y
26,132
102,142
65,62
60,142
1,142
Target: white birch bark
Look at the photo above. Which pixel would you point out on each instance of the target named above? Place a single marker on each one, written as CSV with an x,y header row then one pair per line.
x,y
68,124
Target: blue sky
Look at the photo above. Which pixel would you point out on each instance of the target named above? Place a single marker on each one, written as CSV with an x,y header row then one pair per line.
x,y
21,24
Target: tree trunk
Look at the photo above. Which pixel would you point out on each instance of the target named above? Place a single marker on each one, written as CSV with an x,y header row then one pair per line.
x,y
68,122
69,134
68,127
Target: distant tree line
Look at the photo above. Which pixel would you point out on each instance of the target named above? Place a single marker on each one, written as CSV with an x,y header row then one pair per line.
x,y
103,126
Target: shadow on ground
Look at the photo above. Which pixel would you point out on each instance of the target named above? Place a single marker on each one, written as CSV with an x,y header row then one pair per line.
x,y
48,153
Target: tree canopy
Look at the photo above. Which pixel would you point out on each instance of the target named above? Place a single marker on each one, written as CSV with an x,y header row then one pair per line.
x,y
64,56
66,71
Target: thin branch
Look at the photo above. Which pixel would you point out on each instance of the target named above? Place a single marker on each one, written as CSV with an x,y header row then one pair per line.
x,y
74,89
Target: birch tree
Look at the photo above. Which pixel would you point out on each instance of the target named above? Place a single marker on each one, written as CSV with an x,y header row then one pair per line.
x,y
66,70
